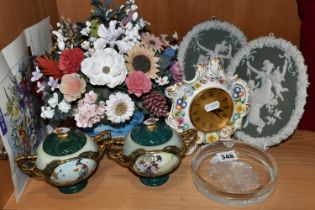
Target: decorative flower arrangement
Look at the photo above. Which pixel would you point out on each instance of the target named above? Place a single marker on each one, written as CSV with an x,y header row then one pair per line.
x,y
106,69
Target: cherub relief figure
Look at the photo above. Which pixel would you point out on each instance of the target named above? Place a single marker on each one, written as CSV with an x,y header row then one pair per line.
x,y
265,93
221,50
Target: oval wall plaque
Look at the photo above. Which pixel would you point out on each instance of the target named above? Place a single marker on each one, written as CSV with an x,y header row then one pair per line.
x,y
276,74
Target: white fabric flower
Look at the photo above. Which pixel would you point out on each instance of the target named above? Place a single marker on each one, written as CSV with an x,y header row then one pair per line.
x,y
135,16
134,7
60,40
64,107
85,45
105,67
85,31
119,107
131,37
88,23
132,32
53,101
162,80
107,35
47,112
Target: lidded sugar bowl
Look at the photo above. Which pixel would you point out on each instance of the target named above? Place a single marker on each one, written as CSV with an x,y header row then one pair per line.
x,y
152,150
66,158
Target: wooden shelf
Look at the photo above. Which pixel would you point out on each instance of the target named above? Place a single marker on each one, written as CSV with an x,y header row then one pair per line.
x,y
113,187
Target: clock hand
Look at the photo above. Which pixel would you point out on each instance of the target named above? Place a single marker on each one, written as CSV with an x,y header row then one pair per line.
x,y
217,114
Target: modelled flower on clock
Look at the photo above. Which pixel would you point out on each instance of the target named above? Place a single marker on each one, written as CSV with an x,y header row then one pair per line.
x,y
70,60
119,107
201,137
226,131
212,137
72,86
105,67
240,108
152,41
143,59
138,83
180,121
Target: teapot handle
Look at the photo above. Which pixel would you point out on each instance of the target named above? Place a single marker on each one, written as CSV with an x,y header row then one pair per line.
x,y
189,137
27,165
102,140
116,154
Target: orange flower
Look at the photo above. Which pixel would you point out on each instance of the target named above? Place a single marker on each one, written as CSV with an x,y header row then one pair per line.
x,y
72,86
49,67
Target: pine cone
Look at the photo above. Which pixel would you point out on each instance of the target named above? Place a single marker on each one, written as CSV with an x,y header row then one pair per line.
x,y
155,103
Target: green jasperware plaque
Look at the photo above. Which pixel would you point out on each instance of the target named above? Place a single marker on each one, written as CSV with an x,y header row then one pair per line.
x,y
207,40
276,74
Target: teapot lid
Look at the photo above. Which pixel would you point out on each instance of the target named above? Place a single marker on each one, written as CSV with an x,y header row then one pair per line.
x,y
151,132
64,141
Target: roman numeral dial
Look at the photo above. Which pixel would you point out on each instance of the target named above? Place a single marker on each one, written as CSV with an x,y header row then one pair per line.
x,y
211,109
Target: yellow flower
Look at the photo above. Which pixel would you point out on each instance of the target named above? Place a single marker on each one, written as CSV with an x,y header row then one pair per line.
x,y
240,108
212,137
143,59
197,85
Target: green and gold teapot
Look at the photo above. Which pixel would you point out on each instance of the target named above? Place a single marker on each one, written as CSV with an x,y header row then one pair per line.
x,y
66,158
152,150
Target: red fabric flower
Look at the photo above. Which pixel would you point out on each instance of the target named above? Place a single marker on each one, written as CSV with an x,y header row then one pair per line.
x,y
70,60
138,83
49,67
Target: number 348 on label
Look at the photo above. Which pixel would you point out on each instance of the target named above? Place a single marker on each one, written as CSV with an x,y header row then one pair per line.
x,y
226,156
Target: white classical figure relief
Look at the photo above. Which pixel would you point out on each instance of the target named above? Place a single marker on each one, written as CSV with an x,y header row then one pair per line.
x,y
266,92
222,50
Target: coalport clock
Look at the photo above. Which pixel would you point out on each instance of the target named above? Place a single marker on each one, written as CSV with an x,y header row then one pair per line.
x,y
212,104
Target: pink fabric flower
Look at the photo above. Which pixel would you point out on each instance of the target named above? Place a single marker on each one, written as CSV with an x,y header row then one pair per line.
x,y
70,60
177,72
82,121
88,110
90,97
72,86
86,115
101,108
138,83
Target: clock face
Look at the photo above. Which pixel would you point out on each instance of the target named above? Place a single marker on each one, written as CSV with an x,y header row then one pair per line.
x,y
211,109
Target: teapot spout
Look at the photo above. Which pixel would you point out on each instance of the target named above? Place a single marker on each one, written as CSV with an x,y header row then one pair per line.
x,y
27,165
